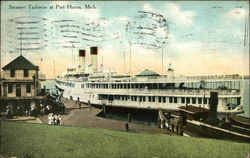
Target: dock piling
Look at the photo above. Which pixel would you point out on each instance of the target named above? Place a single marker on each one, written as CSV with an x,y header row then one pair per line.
x,y
126,126
181,126
80,105
104,110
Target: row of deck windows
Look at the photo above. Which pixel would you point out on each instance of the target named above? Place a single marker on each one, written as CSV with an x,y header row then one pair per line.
x,y
160,99
197,85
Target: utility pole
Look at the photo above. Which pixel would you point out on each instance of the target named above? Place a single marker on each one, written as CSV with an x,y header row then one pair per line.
x,y
54,68
72,54
102,60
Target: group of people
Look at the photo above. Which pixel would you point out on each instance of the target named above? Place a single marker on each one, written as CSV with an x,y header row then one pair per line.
x,y
54,119
12,110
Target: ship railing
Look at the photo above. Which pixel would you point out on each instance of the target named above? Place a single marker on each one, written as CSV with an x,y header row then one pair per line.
x,y
167,91
187,78
80,79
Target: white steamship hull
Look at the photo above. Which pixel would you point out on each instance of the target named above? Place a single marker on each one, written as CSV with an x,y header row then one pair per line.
x,y
148,90
140,98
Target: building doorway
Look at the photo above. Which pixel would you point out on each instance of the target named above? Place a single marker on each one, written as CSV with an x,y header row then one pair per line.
x,y
18,90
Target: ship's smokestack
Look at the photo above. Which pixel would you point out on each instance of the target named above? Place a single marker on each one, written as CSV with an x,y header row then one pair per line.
x,y
82,54
213,102
94,52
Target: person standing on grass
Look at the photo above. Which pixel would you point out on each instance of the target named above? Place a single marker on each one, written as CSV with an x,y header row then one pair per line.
x,y
59,121
54,119
8,113
50,118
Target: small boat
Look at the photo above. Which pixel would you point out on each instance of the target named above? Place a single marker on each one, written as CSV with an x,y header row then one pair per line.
x,y
201,122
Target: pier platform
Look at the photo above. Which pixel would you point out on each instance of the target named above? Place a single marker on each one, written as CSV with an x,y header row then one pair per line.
x,y
86,117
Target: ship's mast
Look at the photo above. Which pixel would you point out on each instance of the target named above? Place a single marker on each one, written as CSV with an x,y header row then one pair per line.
x,y
246,42
162,60
129,59
124,63
21,42
54,68
41,59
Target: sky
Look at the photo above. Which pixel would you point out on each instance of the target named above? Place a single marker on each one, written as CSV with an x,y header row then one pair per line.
x,y
196,37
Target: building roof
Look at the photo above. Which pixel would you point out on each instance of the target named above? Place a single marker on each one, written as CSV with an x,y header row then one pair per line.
x,y
147,72
20,63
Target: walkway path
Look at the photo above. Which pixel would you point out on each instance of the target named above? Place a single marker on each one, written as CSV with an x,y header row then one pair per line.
x,y
28,119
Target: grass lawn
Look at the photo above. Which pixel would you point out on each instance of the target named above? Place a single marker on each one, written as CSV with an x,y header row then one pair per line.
x,y
26,140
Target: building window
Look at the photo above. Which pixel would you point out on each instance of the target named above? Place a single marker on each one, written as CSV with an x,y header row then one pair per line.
x,y
153,99
205,100
28,88
25,73
159,99
188,100
12,73
183,100
170,99
194,100
175,99
238,101
199,100
149,99
10,88
164,99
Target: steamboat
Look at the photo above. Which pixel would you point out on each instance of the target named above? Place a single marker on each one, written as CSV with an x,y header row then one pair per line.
x,y
148,90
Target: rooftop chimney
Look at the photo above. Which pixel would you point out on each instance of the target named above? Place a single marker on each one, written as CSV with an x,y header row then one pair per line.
x,y
82,55
94,52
